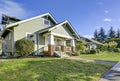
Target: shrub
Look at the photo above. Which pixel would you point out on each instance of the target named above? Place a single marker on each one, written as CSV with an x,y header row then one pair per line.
x,y
97,50
77,53
93,51
80,45
112,44
110,49
24,47
116,50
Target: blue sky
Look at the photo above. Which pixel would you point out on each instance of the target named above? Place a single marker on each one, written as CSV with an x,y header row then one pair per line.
x,y
84,15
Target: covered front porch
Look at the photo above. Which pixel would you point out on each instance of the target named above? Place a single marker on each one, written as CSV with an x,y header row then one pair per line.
x,y
56,40
56,44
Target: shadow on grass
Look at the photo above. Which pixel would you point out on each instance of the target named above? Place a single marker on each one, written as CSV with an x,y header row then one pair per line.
x,y
50,70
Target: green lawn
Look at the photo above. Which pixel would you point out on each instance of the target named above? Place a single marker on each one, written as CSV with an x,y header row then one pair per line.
x,y
107,56
50,69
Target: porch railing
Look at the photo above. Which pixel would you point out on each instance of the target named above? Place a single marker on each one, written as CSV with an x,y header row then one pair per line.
x,y
57,48
68,49
40,50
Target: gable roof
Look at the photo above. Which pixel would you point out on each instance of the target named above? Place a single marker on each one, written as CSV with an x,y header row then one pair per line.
x,y
54,27
23,21
90,40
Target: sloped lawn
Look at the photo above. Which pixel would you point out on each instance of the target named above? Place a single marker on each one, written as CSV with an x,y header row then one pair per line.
x,y
50,69
106,56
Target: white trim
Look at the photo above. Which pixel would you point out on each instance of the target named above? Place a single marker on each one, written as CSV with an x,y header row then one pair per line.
x,y
27,34
44,22
35,41
63,42
73,42
61,24
57,26
51,40
23,21
61,35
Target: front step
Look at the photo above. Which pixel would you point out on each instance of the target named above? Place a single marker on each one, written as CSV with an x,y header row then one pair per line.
x,y
60,54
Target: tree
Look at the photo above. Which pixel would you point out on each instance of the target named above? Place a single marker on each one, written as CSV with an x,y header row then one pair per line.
x,y
112,44
96,35
118,33
80,45
111,33
101,35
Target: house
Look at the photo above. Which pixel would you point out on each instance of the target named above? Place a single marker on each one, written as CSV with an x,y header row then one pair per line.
x,y
48,35
91,44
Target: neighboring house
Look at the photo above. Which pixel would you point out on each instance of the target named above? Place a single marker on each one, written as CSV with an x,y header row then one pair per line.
x,y
47,34
91,44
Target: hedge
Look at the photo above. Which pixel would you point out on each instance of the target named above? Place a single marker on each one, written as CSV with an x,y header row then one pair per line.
x,y
24,47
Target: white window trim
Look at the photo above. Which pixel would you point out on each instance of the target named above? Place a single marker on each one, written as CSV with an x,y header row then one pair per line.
x,y
46,20
27,34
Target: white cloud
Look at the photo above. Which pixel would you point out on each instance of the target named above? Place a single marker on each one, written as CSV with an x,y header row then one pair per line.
x,y
11,8
106,11
107,19
88,36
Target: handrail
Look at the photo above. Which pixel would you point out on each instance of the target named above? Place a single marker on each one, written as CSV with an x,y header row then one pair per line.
x,y
40,49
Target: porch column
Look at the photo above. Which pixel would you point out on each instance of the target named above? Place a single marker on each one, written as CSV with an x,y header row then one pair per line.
x,y
63,45
51,45
35,41
72,45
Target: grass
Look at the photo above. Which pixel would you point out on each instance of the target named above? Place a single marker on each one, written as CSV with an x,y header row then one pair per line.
x,y
107,56
50,69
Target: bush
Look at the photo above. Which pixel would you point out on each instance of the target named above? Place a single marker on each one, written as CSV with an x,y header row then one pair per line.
x,y
110,49
77,53
97,50
24,47
116,50
93,51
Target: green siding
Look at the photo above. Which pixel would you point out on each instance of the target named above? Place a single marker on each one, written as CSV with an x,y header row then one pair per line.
x,y
8,47
31,26
41,41
62,30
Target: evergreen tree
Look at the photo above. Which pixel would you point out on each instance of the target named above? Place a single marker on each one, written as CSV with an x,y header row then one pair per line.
x,y
101,35
96,35
111,33
118,33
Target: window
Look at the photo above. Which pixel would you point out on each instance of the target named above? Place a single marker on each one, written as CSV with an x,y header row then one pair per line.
x,y
46,22
30,36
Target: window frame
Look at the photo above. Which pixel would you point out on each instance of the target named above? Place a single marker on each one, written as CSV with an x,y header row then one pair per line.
x,y
27,33
47,21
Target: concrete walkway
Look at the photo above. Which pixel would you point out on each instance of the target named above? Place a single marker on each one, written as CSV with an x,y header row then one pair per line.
x,y
96,61
112,75
3,60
